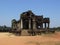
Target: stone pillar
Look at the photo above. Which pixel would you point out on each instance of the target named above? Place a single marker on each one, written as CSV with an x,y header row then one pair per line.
x,y
34,24
48,25
29,24
21,24
45,25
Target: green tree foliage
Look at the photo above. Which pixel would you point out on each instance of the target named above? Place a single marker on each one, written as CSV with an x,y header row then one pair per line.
x,y
55,28
4,28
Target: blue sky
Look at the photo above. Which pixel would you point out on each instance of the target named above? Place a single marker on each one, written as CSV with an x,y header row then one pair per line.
x,y
11,9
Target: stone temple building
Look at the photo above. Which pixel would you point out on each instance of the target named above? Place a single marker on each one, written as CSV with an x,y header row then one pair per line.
x,y
29,21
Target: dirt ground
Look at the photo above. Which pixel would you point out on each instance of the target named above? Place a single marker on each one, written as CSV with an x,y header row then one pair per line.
x,y
44,39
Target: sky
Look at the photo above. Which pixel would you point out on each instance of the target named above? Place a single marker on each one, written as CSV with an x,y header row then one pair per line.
x,y
11,9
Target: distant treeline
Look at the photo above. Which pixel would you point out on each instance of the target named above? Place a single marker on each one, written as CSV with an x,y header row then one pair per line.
x,y
55,28
4,28
8,29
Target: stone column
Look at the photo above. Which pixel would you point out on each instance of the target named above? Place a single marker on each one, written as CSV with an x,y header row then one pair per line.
x,y
29,24
48,25
34,24
21,24
45,25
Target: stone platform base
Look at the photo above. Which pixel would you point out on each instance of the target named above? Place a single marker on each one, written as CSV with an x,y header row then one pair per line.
x,y
24,33
30,32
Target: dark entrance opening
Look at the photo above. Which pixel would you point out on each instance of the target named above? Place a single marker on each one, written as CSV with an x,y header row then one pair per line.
x,y
31,23
25,24
39,27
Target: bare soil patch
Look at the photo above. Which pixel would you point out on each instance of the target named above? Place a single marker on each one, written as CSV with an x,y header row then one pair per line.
x,y
45,39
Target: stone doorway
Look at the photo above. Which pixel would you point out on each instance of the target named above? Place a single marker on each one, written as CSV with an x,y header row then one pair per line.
x,y
25,24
